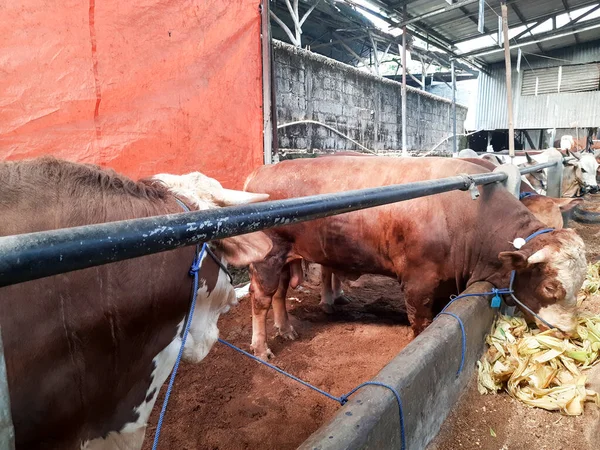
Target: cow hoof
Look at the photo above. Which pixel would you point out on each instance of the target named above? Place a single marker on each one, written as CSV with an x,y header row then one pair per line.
x,y
327,308
341,300
290,334
264,355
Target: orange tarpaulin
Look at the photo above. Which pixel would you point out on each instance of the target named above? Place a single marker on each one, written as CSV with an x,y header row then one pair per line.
x,y
145,86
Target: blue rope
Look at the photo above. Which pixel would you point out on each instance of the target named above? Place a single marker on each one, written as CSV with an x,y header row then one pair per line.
x,y
463,349
537,233
342,400
495,292
523,195
194,272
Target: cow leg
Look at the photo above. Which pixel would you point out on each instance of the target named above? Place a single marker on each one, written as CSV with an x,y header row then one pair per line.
x,y
282,321
264,283
327,298
338,293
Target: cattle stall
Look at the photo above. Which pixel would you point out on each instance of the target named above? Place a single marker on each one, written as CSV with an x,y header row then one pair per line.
x,y
154,87
33,256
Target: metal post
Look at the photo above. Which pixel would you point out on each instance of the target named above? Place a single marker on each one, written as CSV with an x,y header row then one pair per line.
x,y
268,129
508,68
454,137
481,17
26,257
404,128
555,173
7,431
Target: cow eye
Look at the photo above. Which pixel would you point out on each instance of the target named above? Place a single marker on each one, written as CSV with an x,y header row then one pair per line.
x,y
583,170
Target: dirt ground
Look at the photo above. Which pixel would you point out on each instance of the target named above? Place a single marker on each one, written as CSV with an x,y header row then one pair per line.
x,y
476,417
231,402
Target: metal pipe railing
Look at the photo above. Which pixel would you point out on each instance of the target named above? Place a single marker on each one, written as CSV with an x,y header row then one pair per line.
x,y
36,255
537,167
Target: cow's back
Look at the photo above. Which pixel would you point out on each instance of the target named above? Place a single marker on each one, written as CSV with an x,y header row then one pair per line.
x,y
384,239
328,174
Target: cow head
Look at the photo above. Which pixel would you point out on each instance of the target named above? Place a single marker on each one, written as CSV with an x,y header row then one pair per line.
x,y
215,291
538,180
550,270
494,159
216,294
580,171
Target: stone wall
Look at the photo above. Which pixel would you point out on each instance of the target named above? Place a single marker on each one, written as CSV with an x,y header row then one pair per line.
x,y
363,106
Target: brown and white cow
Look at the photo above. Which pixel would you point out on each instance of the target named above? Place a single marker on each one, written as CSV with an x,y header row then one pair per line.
x,y
87,351
436,246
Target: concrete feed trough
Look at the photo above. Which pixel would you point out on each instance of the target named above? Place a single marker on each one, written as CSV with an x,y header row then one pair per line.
x,y
425,375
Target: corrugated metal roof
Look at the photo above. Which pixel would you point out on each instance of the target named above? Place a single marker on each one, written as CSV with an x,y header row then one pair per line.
x,y
562,110
460,24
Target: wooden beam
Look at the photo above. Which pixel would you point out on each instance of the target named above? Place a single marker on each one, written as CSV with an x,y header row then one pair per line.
x,y
507,63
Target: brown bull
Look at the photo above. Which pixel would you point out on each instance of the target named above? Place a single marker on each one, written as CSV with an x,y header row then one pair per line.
x,y
546,209
87,351
436,246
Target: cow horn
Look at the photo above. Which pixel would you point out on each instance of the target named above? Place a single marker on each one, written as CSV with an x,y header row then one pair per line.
x,y
540,256
229,197
529,158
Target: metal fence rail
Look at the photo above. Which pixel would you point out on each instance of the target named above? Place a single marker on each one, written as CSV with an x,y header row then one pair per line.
x,y
36,255
537,167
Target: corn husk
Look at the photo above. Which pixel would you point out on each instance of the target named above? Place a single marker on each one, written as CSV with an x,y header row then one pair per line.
x,y
591,285
538,368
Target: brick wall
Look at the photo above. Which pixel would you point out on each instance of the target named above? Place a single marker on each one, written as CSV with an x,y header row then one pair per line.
x,y
363,106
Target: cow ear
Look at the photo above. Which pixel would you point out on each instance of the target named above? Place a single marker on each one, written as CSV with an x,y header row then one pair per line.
x,y
240,251
566,204
513,260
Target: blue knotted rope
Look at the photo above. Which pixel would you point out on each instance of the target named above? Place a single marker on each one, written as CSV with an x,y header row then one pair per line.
x,y
496,293
342,400
193,272
523,195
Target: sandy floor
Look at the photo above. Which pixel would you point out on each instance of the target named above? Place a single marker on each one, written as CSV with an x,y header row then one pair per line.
x,y
231,402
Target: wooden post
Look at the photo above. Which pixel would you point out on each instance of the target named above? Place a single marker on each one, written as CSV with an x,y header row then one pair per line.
x,y
404,140
508,68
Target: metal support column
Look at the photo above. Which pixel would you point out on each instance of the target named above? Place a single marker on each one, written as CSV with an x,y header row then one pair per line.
x,y
269,131
7,431
555,173
404,128
454,137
